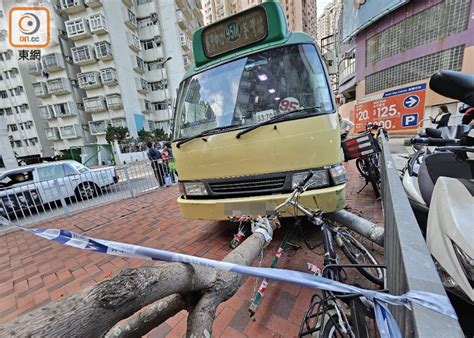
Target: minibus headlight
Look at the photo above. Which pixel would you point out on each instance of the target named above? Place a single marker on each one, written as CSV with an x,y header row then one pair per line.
x,y
195,189
320,179
338,174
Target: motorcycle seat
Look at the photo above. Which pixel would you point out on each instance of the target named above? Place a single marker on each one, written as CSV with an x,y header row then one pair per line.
x,y
441,164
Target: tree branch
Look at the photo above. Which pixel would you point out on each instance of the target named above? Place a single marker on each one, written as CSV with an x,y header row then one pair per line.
x,y
202,316
92,312
149,317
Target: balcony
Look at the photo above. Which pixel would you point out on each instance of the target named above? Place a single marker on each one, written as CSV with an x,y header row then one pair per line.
x,y
186,44
99,127
119,122
40,89
144,10
72,6
103,50
114,101
133,41
89,80
142,85
128,3
46,112
181,19
149,32
83,55
77,29
130,18
93,3
145,106
52,134
59,86
97,24
70,131
65,109
155,75
137,64
94,104
108,76
34,67
53,62
153,54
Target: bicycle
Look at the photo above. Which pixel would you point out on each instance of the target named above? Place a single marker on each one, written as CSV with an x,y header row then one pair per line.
x,y
331,317
368,165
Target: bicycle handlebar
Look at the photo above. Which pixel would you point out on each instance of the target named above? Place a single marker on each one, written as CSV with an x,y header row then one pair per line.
x,y
431,141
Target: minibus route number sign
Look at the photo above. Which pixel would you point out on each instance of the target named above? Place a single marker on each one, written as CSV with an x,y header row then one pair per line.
x,y
235,32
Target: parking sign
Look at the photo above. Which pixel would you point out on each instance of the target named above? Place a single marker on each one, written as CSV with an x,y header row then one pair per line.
x,y
409,120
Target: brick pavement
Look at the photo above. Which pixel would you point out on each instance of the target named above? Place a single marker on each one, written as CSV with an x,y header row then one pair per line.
x,y
34,271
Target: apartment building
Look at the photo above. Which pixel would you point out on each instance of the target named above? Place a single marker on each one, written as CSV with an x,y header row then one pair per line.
x,y
18,105
301,14
328,21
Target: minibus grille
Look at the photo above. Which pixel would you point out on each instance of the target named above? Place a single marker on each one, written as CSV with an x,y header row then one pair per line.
x,y
248,185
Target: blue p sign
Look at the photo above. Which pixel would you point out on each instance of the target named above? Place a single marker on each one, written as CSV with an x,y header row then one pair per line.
x,y
410,120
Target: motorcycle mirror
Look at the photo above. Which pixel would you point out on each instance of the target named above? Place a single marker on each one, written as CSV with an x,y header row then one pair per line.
x,y
455,85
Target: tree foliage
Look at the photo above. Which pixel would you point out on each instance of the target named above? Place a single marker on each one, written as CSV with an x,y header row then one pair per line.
x,y
144,135
160,135
116,133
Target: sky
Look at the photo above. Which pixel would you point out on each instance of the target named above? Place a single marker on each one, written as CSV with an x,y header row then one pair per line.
x,y
321,4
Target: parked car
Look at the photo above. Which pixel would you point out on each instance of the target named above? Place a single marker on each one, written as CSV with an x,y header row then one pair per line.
x,y
33,186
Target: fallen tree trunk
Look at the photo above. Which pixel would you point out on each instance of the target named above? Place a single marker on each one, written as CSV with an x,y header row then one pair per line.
x,y
93,312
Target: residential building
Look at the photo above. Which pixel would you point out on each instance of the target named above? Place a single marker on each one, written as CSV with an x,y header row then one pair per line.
x,y
18,105
328,21
7,157
405,47
300,14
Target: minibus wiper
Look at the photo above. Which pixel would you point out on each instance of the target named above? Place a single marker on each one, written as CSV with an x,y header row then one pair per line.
x,y
204,133
276,118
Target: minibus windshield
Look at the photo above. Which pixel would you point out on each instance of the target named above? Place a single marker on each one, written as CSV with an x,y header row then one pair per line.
x,y
252,90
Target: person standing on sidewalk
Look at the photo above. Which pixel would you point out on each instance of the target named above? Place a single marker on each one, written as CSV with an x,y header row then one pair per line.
x,y
154,156
346,126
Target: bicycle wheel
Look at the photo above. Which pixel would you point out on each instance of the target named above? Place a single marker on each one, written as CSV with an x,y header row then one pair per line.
x,y
361,167
332,328
374,180
357,253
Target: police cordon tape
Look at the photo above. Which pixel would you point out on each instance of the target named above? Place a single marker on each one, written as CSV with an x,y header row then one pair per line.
x,y
386,323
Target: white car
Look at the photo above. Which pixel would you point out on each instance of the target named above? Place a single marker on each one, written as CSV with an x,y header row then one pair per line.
x,y
35,185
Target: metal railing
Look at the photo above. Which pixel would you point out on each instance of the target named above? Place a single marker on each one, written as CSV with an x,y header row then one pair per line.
x,y
26,199
409,263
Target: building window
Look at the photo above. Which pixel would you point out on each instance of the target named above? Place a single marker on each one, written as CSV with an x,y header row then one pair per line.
x,y
97,22
434,23
3,94
70,3
68,131
62,109
103,49
134,41
148,44
108,75
142,2
131,16
154,65
145,22
80,54
12,127
140,63
2,164
415,70
162,105
55,85
87,79
75,27
50,60
160,85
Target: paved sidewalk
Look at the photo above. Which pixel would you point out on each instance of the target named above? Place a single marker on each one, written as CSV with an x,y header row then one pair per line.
x,y
34,271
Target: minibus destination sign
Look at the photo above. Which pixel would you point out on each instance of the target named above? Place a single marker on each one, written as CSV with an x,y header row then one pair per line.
x,y
235,32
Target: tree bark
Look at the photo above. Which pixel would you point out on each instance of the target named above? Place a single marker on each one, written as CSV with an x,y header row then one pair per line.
x,y
148,318
202,316
92,312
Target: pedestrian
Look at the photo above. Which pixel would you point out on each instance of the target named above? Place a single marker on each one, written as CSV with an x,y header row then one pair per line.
x,y
442,118
468,112
154,156
345,126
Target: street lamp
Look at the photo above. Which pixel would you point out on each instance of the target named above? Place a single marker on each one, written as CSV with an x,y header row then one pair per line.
x,y
162,64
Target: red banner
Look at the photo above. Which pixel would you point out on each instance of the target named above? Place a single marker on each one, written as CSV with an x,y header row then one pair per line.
x,y
397,110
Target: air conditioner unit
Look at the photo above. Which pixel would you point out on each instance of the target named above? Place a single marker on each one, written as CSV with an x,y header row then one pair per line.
x,y
349,55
